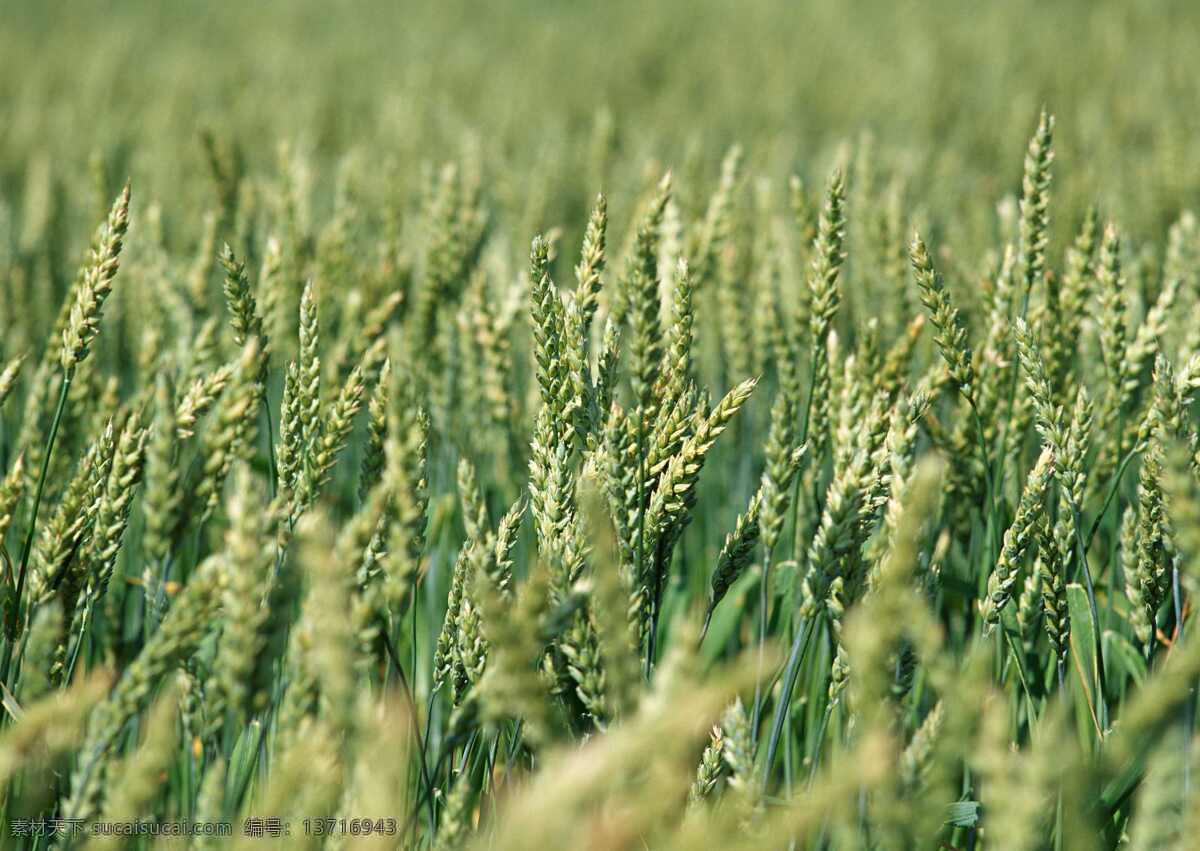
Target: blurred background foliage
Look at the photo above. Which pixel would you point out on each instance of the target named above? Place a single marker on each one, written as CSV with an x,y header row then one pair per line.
x,y
564,99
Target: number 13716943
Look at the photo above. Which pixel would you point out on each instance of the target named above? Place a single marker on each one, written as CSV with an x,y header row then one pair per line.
x,y
349,826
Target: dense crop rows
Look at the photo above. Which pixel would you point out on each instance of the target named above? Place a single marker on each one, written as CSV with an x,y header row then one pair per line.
x,y
495,447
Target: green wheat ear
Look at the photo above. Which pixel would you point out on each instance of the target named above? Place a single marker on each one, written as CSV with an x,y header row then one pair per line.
x,y
96,284
951,332
1017,540
265,469
1035,202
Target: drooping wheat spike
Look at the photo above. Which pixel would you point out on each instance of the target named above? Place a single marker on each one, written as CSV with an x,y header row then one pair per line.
x,y
96,285
824,299
230,436
1051,419
243,308
68,532
736,552
1017,540
839,529
672,500
199,398
113,515
1035,203
951,337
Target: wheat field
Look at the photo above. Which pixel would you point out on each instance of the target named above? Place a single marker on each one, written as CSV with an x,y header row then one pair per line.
x,y
612,426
